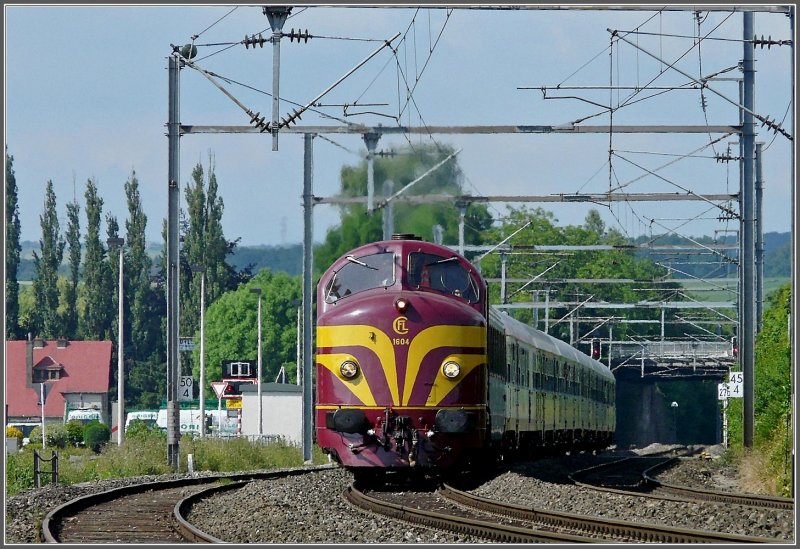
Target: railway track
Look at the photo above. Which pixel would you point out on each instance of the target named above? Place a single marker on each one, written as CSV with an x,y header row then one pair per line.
x,y
599,529
752,500
151,512
418,508
635,476
460,512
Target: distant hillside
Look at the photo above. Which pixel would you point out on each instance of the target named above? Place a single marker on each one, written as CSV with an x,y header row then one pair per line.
x,y
289,259
777,248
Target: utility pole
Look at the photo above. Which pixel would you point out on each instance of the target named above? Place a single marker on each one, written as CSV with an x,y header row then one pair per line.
x,y
388,211
257,291
371,141
759,236
173,259
308,295
747,336
462,212
202,270
277,17
112,242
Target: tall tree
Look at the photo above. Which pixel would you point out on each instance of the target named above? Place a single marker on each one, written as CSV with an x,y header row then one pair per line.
x,y
144,325
204,244
13,250
232,326
46,264
357,227
537,227
98,311
112,231
70,319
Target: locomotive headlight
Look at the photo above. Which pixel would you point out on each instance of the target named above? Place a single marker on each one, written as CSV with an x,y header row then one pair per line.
x,y
401,305
348,369
451,369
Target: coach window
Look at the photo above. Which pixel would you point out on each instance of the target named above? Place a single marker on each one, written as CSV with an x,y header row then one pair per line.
x,y
359,274
549,374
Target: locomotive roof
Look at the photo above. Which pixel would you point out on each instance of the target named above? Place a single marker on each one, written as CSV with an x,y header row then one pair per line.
x,y
547,342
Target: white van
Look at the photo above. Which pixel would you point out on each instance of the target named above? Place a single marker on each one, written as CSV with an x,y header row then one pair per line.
x,y
222,422
150,418
85,415
189,421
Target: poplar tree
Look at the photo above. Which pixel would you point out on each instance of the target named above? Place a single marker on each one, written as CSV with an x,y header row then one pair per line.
x,y
46,264
145,348
96,272
112,231
70,320
204,244
13,251
144,326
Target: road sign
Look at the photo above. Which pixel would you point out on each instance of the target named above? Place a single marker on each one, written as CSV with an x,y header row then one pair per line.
x,y
735,390
186,344
219,387
735,382
185,389
729,390
233,403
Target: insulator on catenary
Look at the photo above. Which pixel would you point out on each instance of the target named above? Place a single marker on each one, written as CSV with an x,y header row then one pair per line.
x,y
769,42
725,158
259,122
290,119
299,35
253,41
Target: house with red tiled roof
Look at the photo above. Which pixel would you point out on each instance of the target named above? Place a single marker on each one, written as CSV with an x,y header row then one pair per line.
x,y
75,374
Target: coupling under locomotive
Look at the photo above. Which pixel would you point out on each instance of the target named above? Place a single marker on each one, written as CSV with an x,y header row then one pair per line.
x,y
415,370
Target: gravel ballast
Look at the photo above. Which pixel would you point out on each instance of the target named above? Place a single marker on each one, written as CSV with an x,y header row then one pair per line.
x,y
310,508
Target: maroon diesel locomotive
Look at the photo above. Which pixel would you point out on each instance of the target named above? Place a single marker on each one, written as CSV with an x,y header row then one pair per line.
x,y
416,370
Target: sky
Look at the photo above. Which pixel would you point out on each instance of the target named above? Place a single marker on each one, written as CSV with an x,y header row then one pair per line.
x,y
85,96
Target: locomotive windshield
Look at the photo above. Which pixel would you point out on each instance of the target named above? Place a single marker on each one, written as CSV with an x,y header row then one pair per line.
x,y
443,274
359,274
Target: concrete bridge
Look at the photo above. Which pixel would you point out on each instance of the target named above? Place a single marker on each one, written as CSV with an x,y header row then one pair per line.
x,y
671,359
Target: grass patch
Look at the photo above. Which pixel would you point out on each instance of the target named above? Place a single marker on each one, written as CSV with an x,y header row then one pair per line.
x,y
146,454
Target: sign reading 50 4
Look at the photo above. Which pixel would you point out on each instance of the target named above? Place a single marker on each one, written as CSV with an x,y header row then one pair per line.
x,y
185,386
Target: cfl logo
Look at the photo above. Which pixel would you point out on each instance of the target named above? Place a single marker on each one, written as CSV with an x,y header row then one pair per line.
x,y
399,325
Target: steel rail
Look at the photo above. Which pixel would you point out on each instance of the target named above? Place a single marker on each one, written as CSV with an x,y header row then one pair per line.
x,y
752,500
596,526
678,493
470,526
54,520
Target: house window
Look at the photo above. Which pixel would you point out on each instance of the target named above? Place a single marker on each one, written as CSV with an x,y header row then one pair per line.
x,y
46,374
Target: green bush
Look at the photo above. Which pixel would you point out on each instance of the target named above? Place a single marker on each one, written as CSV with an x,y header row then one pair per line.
x,y
96,435
56,436
35,436
74,432
138,429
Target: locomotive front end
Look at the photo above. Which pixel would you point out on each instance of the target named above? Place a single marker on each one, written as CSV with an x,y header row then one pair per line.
x,y
401,358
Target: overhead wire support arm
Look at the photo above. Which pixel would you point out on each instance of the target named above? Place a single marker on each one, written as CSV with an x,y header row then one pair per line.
x,y
532,280
296,113
259,123
725,209
764,120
